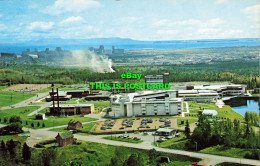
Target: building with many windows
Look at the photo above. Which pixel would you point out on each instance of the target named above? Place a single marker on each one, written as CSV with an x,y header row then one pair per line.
x,y
146,104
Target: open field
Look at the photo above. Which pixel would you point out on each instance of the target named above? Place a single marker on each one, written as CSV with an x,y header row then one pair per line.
x,y
49,122
10,98
49,88
32,87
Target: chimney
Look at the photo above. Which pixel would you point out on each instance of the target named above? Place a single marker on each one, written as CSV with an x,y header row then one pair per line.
x,y
53,100
58,100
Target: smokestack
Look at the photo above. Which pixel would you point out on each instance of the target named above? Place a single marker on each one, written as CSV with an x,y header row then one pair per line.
x,y
53,100
58,100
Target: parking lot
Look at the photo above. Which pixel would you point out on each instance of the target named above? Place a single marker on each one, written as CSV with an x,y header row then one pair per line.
x,y
140,124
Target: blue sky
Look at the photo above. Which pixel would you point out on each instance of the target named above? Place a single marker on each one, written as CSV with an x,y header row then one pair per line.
x,y
23,20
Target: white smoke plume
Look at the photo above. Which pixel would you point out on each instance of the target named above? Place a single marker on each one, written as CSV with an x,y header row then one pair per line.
x,y
88,59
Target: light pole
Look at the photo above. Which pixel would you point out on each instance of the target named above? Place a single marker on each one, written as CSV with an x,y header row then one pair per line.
x,y
196,144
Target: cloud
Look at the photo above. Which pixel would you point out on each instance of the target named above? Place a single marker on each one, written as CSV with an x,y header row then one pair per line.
x,y
40,26
64,6
220,1
2,27
252,12
72,20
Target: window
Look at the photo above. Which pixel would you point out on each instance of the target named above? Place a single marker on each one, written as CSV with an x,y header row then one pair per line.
x,y
155,113
143,113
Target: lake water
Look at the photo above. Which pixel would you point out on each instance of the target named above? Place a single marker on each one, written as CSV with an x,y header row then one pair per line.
x,y
242,105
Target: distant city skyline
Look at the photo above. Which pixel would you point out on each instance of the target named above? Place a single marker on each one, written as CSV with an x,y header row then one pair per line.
x,y
146,20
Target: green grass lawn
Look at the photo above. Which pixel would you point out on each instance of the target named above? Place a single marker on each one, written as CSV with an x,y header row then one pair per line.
x,y
223,151
254,94
172,142
86,127
124,140
11,98
15,138
50,122
225,111
189,120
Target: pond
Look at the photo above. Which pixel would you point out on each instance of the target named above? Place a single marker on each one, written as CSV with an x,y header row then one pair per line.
x,y
243,104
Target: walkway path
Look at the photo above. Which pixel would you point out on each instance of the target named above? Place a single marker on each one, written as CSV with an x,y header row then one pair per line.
x,y
187,108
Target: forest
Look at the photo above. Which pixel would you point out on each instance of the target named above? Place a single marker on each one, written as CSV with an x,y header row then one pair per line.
x,y
228,133
239,72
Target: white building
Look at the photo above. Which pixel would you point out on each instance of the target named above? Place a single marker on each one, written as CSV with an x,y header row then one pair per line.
x,y
225,90
146,104
199,95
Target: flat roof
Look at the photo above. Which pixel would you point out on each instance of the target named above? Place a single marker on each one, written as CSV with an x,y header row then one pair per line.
x,y
165,130
72,105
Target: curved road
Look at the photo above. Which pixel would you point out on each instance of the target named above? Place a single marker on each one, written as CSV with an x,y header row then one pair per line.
x,y
207,159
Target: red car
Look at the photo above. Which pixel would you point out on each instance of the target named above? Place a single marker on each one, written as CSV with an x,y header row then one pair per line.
x,y
121,128
194,163
167,122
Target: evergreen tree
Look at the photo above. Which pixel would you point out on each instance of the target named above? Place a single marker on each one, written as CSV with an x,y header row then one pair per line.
x,y
26,123
133,161
32,124
5,120
43,125
187,130
38,124
26,152
3,147
11,148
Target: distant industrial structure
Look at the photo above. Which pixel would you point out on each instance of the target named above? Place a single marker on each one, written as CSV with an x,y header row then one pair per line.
x,y
102,50
146,104
71,109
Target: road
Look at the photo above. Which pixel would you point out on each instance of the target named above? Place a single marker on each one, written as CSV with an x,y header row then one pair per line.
x,y
207,159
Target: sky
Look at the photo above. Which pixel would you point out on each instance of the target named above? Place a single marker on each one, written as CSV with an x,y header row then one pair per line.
x,y
25,20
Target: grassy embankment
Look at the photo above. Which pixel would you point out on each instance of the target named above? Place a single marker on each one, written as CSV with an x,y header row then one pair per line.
x,y
224,112
86,127
184,119
89,153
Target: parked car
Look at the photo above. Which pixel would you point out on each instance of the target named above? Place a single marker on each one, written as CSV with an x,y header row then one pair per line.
x,y
161,120
167,125
161,126
145,133
103,128
167,122
150,121
109,127
135,138
130,137
154,134
148,126
121,128
142,126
